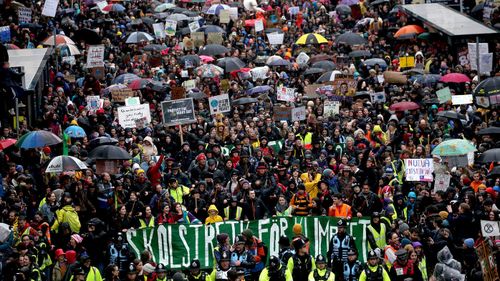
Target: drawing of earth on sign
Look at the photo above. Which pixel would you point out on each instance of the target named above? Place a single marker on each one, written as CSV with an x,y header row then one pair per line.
x,y
214,103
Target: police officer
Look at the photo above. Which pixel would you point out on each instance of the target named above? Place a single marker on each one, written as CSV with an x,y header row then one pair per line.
x,y
339,245
404,269
352,267
373,271
220,273
236,275
241,258
285,250
276,271
301,263
161,272
321,273
195,274
131,273
376,233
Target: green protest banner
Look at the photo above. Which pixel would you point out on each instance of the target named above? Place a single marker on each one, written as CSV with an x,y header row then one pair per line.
x,y
175,245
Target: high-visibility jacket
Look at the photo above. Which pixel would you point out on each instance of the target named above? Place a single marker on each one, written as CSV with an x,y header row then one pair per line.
x,y
344,211
143,223
379,237
387,257
67,214
239,210
306,140
178,193
321,275
422,265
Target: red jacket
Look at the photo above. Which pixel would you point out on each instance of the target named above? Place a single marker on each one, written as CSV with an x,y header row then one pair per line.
x,y
154,174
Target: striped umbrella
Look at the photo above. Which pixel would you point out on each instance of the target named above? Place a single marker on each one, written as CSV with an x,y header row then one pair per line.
x,y
68,50
311,38
60,39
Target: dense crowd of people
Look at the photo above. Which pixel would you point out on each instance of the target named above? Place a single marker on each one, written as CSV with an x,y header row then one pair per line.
x,y
244,164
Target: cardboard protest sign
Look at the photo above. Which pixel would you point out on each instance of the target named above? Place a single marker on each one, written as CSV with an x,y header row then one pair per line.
x,y
441,182
302,58
178,112
120,95
282,113
259,25
275,38
170,27
419,169
71,60
286,94
378,97
93,103
198,38
472,48
299,113
444,95
128,116
233,13
219,104
483,101
331,108
189,84
259,73
224,16
405,62
95,56
215,38
193,26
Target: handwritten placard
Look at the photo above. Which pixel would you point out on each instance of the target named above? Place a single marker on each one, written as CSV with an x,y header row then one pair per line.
x,y
120,95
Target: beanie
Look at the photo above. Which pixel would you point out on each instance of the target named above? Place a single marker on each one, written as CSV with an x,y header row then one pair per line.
x,y
78,239
443,215
469,243
403,227
247,233
466,181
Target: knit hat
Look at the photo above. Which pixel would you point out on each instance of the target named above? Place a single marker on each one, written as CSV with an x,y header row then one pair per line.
x,y
201,156
327,173
247,233
469,243
405,241
78,239
297,229
443,215
403,227
71,257
139,171
466,181
47,150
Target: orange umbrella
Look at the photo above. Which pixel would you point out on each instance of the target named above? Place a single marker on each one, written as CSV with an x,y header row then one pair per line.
x,y
409,30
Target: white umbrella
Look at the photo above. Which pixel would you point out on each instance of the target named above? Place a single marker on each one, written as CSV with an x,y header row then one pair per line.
x,y
138,36
65,163
68,50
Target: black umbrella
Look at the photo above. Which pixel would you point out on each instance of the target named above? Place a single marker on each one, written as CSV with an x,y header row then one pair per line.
x,y
230,64
492,155
211,29
414,71
30,25
157,86
154,47
450,114
320,57
194,59
102,141
87,35
494,173
343,9
197,95
360,53
313,70
273,30
362,95
241,101
351,39
431,101
109,152
490,86
326,65
213,50
489,131
378,2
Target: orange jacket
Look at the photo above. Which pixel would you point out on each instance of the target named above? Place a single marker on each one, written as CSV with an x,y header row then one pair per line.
x,y
343,211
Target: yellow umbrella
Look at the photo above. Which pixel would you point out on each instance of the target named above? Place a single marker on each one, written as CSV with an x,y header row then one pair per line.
x,y
311,38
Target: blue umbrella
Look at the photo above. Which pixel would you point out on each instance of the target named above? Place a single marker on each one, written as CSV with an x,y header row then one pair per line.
x,y
37,139
258,89
75,132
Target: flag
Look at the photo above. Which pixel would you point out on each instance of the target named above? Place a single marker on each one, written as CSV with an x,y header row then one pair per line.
x,y
66,143
490,228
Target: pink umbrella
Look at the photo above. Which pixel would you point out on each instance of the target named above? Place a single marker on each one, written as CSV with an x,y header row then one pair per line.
x,y
206,59
404,105
455,78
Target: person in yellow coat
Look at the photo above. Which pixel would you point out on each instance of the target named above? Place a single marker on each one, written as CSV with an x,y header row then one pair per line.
x,y
373,270
301,263
275,271
321,273
311,180
213,215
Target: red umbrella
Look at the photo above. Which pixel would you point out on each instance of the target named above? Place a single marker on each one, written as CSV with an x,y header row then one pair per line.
x,y
241,70
409,30
404,105
455,78
6,143
139,84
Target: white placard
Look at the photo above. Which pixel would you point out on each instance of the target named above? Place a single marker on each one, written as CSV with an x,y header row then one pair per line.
x,y
170,27
486,63
461,99
189,84
302,58
93,103
441,182
259,25
378,97
69,59
483,49
159,30
298,113
219,104
275,38
490,228
483,101
294,10
233,13
193,26
132,101
128,115
331,108
286,94
419,169
24,14
50,8
95,56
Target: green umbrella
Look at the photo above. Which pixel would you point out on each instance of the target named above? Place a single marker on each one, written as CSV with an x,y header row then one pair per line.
x,y
454,147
